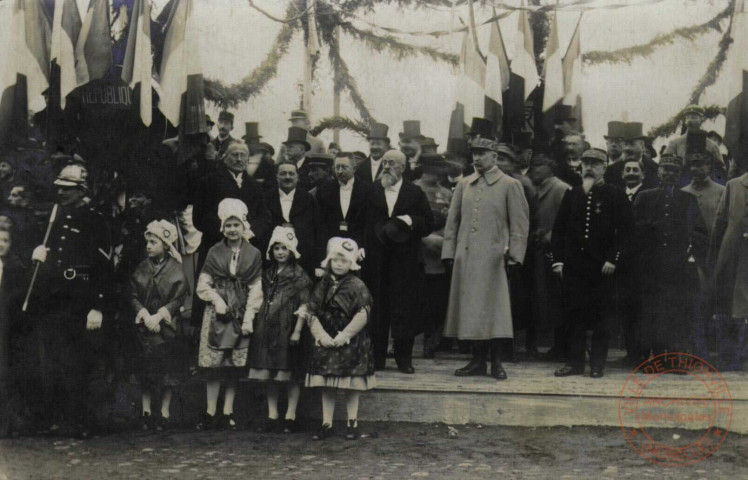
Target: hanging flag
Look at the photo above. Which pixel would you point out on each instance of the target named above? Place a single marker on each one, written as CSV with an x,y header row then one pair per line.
x,y
553,69
180,86
736,127
572,67
25,72
66,28
93,52
470,85
497,75
523,62
138,65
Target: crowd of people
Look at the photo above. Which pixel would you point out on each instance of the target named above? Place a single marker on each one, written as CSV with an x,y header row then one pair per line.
x,y
297,269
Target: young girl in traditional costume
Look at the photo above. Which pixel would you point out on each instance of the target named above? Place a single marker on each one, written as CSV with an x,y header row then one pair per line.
x,y
231,284
275,353
156,292
342,356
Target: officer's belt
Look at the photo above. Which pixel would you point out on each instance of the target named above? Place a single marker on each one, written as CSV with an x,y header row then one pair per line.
x,y
76,272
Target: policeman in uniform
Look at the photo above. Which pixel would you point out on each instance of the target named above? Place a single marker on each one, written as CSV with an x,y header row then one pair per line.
x,y
70,299
589,239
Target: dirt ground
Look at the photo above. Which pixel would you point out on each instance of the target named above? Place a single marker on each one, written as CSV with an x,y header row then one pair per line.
x,y
388,451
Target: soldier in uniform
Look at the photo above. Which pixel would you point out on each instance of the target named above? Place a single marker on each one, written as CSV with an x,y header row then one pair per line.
x,y
71,298
694,117
224,138
589,239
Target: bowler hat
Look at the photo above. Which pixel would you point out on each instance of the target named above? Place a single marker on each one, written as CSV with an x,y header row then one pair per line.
x,y
378,131
411,130
672,160
360,155
252,132
298,115
298,135
320,160
697,109
227,116
633,131
482,128
269,148
429,142
616,129
392,231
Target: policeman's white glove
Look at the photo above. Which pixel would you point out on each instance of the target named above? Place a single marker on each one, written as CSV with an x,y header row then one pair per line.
x,y
94,319
608,268
248,323
141,315
220,305
153,322
40,254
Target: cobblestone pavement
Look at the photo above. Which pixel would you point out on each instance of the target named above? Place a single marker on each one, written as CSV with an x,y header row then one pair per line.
x,y
387,451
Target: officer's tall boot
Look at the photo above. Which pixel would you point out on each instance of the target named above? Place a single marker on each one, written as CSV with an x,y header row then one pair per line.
x,y
477,364
497,370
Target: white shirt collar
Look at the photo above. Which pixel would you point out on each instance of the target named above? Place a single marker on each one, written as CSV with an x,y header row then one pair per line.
x,y
347,186
287,196
631,191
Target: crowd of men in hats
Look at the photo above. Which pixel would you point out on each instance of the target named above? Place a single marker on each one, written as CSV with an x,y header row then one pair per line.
x,y
475,243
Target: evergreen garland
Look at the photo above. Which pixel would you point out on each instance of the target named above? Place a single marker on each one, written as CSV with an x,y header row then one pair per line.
x,y
341,123
671,126
344,81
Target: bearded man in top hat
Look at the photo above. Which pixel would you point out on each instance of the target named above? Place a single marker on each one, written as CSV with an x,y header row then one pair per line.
x,y
300,119
694,118
410,145
398,216
634,146
672,240
224,138
295,150
590,238
370,169
70,299
486,233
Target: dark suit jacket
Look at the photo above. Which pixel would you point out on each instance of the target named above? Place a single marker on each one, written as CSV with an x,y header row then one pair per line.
x,y
331,215
363,171
614,174
221,146
305,221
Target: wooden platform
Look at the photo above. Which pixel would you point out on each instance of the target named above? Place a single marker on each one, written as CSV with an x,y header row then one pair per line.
x,y
531,396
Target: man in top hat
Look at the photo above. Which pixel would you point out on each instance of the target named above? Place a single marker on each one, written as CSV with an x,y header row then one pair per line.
x,y
320,170
342,202
693,119
614,141
370,169
70,299
523,143
672,240
634,146
547,309
260,166
295,150
458,162
398,216
486,233
224,138
434,171
590,238
300,119
410,145
293,207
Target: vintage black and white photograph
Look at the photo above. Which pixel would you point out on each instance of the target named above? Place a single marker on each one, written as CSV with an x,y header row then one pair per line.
x,y
373,239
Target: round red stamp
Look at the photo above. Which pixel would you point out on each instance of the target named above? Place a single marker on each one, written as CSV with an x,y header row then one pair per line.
x,y
675,409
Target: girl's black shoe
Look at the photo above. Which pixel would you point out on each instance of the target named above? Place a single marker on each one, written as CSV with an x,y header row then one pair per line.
x,y
207,422
324,432
163,424
229,422
146,422
289,426
351,432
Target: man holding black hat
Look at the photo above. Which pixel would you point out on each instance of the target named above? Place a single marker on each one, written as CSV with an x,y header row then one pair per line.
x,y
398,216
370,169
224,138
410,145
590,238
693,119
486,233
672,240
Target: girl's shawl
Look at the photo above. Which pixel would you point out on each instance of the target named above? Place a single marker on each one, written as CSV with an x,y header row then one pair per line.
x,y
348,294
248,268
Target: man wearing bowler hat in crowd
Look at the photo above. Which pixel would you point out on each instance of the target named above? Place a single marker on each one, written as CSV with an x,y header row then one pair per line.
x,y
342,202
410,145
693,119
398,216
300,119
295,150
369,170
224,138
429,145
590,238
486,233
260,166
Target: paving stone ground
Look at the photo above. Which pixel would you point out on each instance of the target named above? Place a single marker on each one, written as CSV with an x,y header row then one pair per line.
x,y
391,451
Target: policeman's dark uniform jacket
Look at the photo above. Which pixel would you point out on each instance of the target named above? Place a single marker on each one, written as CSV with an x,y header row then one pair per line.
x,y
591,228
671,237
332,221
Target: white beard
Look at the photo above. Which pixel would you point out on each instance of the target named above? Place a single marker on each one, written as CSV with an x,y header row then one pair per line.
x,y
387,180
587,184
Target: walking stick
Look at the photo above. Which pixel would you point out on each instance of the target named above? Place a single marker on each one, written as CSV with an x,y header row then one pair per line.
x,y
38,264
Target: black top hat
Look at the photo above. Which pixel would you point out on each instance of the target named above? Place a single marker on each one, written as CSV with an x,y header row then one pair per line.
x,y
432,161
616,129
320,160
298,135
378,131
299,115
563,113
696,141
228,116
411,130
252,132
483,128
392,231
633,131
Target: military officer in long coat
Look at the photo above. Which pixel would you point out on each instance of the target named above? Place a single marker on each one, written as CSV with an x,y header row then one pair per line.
x,y
671,240
398,216
70,300
589,240
486,233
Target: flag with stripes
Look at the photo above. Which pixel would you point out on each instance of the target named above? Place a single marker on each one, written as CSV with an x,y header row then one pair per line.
x,y
138,64
572,69
93,52
523,62
470,85
553,71
66,28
